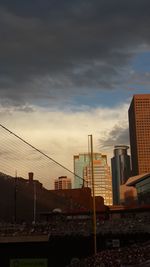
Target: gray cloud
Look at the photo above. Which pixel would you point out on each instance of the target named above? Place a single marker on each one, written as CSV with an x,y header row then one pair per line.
x,y
119,135
56,49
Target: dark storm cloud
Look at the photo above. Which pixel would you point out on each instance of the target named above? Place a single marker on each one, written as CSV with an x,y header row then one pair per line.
x,y
49,49
119,135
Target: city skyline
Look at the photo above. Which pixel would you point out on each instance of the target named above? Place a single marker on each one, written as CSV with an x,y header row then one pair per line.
x,y
70,69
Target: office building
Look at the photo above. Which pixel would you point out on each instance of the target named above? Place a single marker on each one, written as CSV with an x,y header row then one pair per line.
x,y
101,174
121,171
80,161
62,183
102,179
139,129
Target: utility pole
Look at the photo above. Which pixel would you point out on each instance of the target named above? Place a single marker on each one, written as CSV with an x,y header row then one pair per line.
x,y
34,201
15,199
93,193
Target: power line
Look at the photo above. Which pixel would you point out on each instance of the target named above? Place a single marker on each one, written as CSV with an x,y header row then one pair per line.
x,y
48,157
33,147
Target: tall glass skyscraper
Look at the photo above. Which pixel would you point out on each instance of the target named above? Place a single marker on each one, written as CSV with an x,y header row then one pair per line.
x,y
121,171
80,161
101,171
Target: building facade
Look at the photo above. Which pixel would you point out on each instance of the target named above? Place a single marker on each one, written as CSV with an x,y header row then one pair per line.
x,y
80,161
142,186
139,129
101,174
62,183
121,170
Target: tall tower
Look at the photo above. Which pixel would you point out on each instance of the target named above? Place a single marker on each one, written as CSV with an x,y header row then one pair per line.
x,y
102,179
120,165
139,129
101,171
80,162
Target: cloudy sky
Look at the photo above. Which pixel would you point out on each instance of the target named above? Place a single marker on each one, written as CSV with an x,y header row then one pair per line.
x,y
69,69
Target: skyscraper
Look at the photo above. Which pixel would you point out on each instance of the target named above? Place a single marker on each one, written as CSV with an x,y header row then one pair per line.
x,y
62,183
102,179
80,161
120,165
139,129
101,171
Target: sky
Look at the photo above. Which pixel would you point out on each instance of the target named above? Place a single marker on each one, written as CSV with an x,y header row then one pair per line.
x,y
69,69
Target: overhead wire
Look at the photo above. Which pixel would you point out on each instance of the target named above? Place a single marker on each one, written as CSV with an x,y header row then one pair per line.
x,y
24,156
41,152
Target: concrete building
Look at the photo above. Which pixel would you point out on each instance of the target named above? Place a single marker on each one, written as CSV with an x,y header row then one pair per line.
x,y
121,171
128,195
81,200
62,183
139,128
101,171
